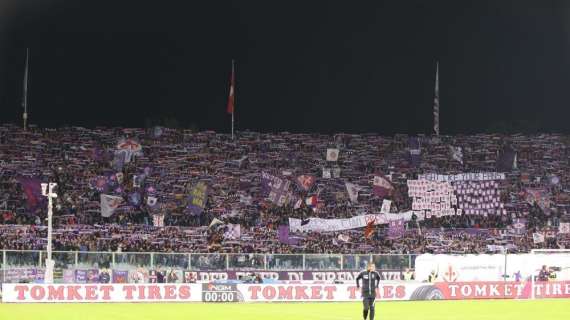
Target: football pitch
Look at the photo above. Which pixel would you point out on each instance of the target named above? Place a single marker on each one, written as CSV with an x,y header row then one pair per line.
x,y
420,310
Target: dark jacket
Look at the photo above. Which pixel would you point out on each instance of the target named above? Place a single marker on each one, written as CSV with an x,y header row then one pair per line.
x,y
370,281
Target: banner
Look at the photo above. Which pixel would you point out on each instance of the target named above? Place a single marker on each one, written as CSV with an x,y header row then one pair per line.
x,y
328,225
73,293
490,267
470,176
295,275
197,198
299,292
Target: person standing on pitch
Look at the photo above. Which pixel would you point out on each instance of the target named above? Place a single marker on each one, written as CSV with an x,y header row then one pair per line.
x,y
370,281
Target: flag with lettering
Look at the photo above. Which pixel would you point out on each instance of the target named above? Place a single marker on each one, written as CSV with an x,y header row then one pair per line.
x,y
564,227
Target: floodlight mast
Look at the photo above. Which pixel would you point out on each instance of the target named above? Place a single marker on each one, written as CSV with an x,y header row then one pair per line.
x,y
48,191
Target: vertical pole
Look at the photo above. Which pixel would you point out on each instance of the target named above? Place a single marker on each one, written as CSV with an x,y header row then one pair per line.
x,y
189,261
436,101
25,93
4,267
265,261
47,191
76,259
505,272
233,95
50,213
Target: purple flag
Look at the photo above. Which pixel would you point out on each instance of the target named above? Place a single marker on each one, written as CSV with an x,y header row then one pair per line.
x,y
396,228
33,190
519,224
197,198
507,159
283,235
415,151
120,276
80,276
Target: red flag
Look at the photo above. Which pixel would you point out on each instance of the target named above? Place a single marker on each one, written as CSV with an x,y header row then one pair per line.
x,y
231,98
369,230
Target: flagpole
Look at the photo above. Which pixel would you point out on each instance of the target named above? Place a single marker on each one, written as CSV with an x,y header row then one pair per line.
x,y
234,97
25,98
436,101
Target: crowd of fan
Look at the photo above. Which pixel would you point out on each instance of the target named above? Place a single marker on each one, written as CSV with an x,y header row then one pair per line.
x,y
174,160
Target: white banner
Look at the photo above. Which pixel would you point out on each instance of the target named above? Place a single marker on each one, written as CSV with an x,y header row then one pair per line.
x,y
470,176
328,225
490,267
33,293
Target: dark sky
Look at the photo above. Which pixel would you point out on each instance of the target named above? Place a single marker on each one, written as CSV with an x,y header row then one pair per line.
x,y
302,66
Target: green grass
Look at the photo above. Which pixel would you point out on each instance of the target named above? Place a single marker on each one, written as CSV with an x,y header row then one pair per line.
x,y
424,310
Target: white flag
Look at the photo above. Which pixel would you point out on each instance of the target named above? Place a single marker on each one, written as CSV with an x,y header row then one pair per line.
x,y
233,231
326,173
353,190
538,237
109,204
564,227
456,154
386,204
215,222
151,201
332,154
158,220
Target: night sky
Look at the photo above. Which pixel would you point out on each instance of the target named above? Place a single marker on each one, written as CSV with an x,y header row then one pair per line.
x,y
302,66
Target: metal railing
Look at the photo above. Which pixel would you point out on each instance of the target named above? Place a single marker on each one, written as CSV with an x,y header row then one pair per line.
x,y
205,261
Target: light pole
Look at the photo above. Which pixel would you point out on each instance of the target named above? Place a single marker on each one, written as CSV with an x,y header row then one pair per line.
x,y
50,194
